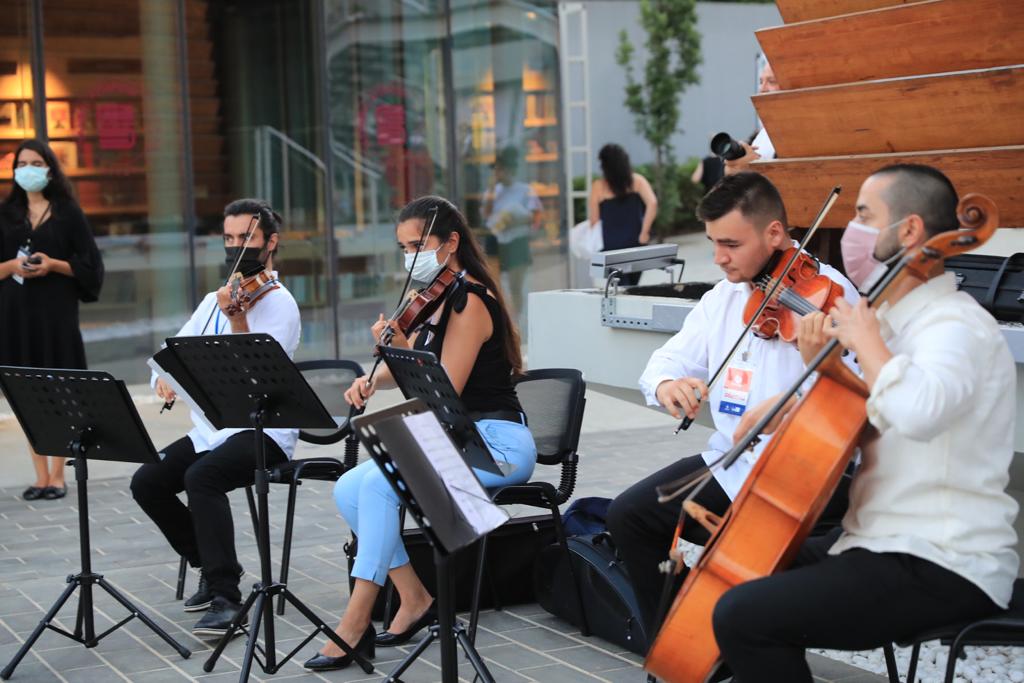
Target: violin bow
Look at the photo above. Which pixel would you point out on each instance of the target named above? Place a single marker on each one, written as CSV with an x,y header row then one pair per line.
x,y
826,207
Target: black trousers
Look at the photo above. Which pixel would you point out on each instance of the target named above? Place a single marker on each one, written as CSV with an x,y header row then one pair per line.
x,y
858,600
642,528
204,532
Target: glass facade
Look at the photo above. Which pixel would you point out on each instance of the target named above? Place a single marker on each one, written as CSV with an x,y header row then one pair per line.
x,y
336,111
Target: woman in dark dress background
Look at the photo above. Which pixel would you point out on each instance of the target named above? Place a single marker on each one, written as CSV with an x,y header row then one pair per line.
x,y
48,263
624,203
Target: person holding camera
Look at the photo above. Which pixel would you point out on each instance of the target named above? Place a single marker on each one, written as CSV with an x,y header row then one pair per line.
x,y
761,146
49,262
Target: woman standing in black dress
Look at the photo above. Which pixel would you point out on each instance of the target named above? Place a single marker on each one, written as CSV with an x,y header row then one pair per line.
x,y
48,262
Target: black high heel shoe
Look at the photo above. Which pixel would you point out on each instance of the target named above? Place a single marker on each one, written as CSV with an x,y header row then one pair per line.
x,y
389,639
365,647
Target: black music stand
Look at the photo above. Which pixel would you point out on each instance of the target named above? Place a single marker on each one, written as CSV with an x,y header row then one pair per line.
x,y
247,381
436,484
91,415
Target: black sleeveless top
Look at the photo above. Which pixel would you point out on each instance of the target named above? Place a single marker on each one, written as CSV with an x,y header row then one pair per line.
x,y
621,221
489,386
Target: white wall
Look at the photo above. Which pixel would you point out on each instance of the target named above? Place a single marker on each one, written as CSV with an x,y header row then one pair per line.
x,y
721,101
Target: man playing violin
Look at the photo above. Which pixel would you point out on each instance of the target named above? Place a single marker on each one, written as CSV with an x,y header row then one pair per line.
x,y
928,539
206,464
746,222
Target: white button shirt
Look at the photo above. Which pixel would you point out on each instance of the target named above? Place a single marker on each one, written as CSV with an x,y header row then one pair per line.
x,y
275,314
932,483
697,350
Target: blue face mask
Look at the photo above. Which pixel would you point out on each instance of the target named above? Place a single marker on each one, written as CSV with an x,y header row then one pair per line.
x,y
32,178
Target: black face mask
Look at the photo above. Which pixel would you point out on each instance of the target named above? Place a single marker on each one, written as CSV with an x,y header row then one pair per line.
x,y
253,259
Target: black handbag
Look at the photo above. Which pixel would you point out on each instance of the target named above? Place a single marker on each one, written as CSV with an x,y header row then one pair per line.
x,y
609,600
996,282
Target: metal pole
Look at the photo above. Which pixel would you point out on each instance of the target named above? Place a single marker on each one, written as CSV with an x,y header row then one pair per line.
x,y
38,70
322,77
188,199
448,73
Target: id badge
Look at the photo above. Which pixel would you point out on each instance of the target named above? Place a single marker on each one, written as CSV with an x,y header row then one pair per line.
x,y
736,388
22,253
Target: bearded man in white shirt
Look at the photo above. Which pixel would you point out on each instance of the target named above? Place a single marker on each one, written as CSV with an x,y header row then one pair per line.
x,y
928,539
746,222
206,464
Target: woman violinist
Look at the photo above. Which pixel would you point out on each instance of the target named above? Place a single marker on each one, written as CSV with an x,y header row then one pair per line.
x,y
928,538
476,341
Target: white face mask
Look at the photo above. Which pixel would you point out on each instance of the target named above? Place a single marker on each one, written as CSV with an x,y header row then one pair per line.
x,y
426,267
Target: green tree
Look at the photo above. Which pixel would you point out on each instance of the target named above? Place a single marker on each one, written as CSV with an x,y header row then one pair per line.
x,y
673,48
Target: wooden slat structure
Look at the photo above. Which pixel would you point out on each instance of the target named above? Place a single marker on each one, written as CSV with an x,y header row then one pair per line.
x,y
793,11
867,83
996,172
919,38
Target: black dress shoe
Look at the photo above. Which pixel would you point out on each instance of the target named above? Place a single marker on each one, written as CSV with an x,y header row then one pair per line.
x,y
53,492
389,639
202,598
321,662
33,492
218,618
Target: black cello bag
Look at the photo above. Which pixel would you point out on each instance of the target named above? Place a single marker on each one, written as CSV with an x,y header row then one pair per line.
x,y
607,594
997,282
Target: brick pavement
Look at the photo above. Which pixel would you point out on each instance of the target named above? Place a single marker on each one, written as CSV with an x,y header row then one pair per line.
x,y
39,541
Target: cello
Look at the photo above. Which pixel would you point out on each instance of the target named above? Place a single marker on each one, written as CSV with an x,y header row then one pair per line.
x,y
795,475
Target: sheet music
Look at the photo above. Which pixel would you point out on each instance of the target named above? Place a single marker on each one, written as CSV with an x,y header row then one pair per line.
x,y
182,395
465,489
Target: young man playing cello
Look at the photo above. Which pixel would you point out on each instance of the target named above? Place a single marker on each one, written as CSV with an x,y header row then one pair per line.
x,y
928,538
746,222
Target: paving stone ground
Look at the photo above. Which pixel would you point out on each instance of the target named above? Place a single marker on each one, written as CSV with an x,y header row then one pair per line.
x,y
39,547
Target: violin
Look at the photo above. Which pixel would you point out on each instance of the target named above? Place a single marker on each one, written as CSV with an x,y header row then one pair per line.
x,y
803,290
246,291
780,276
794,478
421,305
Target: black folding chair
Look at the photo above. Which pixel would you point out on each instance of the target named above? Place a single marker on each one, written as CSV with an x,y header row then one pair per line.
x,y
1005,628
553,400
330,379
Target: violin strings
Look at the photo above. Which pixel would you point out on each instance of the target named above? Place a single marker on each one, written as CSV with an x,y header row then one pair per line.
x,y
791,299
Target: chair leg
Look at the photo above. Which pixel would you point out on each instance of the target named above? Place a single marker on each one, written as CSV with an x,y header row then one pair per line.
x,y
955,648
556,516
286,554
890,663
912,669
478,580
179,592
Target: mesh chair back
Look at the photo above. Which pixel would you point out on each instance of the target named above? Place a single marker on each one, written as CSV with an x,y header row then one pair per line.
x,y
553,400
330,379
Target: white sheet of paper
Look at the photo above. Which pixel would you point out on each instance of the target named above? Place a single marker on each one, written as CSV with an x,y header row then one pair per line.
x,y
474,503
197,412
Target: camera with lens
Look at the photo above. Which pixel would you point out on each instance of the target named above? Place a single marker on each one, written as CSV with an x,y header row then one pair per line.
x,y
724,146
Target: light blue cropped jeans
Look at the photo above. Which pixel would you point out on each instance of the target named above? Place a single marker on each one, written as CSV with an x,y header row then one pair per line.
x,y
370,506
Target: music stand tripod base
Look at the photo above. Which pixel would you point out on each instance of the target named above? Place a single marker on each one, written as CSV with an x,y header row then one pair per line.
x,y
96,418
425,491
265,391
